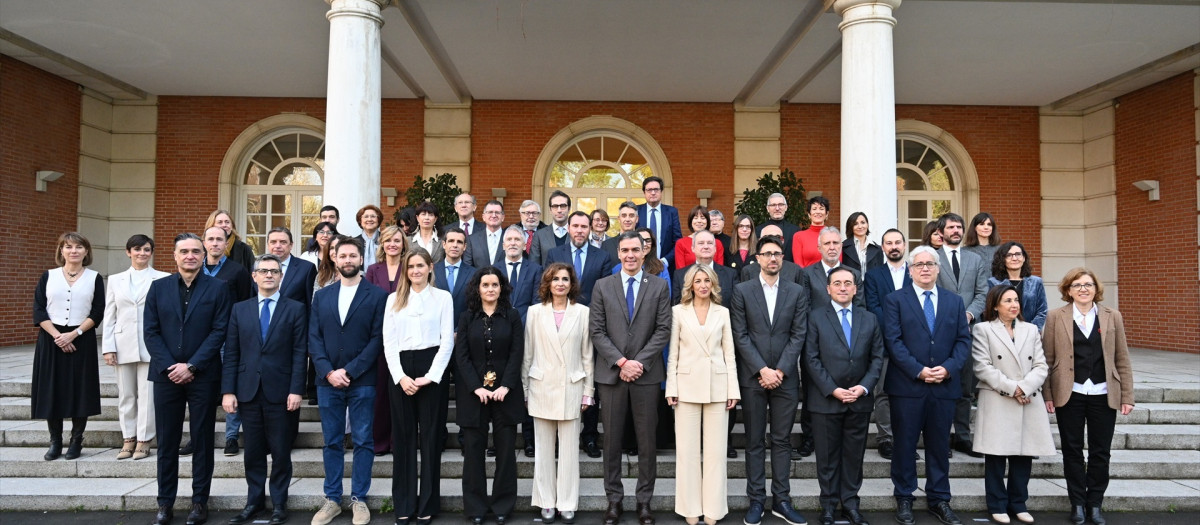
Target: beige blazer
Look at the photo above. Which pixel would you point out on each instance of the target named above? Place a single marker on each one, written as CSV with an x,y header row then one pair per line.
x,y
700,364
556,370
1058,340
123,309
1003,426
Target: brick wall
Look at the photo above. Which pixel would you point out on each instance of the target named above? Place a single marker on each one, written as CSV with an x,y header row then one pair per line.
x,y
40,131
1156,139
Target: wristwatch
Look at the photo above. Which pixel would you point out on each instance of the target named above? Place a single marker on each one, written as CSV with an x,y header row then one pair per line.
x,y
78,332
191,368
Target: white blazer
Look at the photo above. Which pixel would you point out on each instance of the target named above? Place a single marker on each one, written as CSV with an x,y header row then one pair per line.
x,y
123,311
700,365
557,367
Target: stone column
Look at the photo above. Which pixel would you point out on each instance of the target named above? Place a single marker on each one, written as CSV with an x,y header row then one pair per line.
x,y
352,120
868,111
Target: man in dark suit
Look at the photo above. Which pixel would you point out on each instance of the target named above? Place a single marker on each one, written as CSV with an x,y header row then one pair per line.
x,y
185,320
926,332
777,207
547,239
464,214
627,217
345,337
531,222
485,247
662,219
769,317
299,275
219,265
843,354
880,282
630,325
262,380
705,247
453,273
788,270
964,273
525,276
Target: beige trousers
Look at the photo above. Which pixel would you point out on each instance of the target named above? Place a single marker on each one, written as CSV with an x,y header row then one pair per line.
x,y
556,487
135,401
700,486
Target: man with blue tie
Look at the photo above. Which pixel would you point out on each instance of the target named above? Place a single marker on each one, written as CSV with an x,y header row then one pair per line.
x,y
263,379
881,281
927,336
452,274
662,219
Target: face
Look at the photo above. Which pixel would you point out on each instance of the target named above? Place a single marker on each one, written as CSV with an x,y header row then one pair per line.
x,y
514,244
393,246
578,229
935,239
348,260
418,270
817,213
893,246
559,209
842,287
214,241
776,208
324,235
705,247
702,285
426,219
454,244
599,223
924,270
772,229
1009,307
329,216
983,230
1014,259
189,255
560,284
139,255
530,217
861,227
831,249
1083,289
489,289
224,222
630,252
493,216
73,252
279,245
770,259
699,222
370,220
744,229
267,277
653,193
952,234
464,206
716,224
647,244
628,219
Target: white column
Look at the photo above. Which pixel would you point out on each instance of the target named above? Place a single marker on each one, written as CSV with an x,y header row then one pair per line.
x,y
868,111
352,121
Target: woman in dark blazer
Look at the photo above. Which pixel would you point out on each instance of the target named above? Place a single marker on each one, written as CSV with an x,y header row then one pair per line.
x,y
488,352
858,246
1090,380
1010,265
740,251
393,244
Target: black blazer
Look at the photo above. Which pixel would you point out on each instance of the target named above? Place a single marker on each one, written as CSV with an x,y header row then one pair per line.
x,y
831,364
818,285
525,290
850,255
194,338
237,277
277,364
354,344
459,293
761,340
596,265
470,359
299,281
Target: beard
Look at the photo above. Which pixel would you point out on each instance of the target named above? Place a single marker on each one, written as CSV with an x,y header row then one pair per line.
x,y
895,256
348,271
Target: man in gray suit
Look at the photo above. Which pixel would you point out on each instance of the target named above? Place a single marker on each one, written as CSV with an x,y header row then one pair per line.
x,y
769,316
630,325
547,239
965,274
843,354
485,247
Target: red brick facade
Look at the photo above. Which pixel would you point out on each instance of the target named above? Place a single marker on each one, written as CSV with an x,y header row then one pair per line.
x,y
1157,270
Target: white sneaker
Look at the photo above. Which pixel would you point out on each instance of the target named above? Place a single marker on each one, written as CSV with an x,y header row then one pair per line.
x,y
362,515
328,511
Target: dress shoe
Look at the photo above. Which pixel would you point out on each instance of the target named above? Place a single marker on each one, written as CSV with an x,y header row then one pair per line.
x,y
612,516
796,455
382,453
198,515
631,451
529,451
491,452
807,445
427,520
142,451
246,515
1003,519
476,520
501,519
568,516
942,511
403,521
904,515
854,516
591,449
279,516
885,450
75,448
965,446
54,451
1077,515
826,517
164,515
1024,517
784,511
231,447
730,452
1094,516
187,449
645,517
127,449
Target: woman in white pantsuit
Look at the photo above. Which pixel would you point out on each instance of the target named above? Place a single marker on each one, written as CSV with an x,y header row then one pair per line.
x,y
557,376
125,347
702,385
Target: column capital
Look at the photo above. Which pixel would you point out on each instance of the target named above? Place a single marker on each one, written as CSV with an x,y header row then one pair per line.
x,y
369,9
860,11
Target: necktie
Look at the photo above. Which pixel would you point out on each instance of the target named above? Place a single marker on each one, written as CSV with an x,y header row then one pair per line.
x,y
929,315
512,275
467,229
528,240
450,277
629,298
654,228
264,318
578,263
846,325
954,263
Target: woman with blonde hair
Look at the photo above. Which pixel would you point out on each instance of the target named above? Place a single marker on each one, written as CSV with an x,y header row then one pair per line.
x,y
393,244
235,248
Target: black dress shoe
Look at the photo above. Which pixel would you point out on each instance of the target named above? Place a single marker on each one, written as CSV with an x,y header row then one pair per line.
x,y
529,451
403,521
904,515
279,516
730,452
807,446
612,516
501,519
645,517
854,517
246,515
826,517
591,449
165,514
187,449
965,446
198,515
1094,516
231,447
942,511
476,520
1077,515
631,451
491,452
885,450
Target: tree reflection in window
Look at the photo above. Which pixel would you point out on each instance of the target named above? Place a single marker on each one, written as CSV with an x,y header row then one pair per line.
x,y
600,161
921,168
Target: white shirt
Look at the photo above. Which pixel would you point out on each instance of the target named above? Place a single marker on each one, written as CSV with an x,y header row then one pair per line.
x,y
897,275
283,266
138,278
862,254
560,231
345,297
70,305
771,292
950,256
433,240
470,225
921,296
1086,323
493,244
274,302
637,283
426,321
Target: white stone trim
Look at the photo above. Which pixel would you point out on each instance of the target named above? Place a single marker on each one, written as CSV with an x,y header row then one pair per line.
x,y
965,175
601,123
241,147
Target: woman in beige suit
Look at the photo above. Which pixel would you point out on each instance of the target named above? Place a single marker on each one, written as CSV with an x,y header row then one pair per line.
x,y
557,376
1090,379
702,385
125,347
1012,425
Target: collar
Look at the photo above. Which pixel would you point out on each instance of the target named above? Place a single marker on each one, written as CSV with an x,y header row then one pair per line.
x,y
837,308
921,291
1079,316
765,284
637,276
274,297
827,267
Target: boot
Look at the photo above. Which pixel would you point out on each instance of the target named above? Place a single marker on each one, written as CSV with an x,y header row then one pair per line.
x,y
55,448
74,448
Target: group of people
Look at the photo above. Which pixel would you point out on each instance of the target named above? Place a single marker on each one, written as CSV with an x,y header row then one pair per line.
x,y
559,327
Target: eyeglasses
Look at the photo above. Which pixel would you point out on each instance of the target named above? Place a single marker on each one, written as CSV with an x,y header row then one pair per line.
x,y
493,212
652,190
777,205
744,226
929,265
1015,255
531,213
771,255
325,232
268,271
559,206
1083,286
842,284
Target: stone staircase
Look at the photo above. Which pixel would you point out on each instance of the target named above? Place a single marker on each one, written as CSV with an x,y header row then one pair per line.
x,y
1155,460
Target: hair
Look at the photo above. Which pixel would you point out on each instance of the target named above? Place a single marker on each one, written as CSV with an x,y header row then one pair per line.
x,y
321,226
473,201
332,208
407,220
891,230
431,208
948,218
222,231
923,249
768,239
650,263
579,213
1000,270
232,237
454,229
828,229
559,193
853,219
699,211
927,234
736,241
652,179
716,212
403,285
686,294
819,199
326,270
76,238
266,257
280,229
187,236
494,202
527,203
513,228
993,300
544,292
361,211
840,268
387,234
603,214
138,240
973,238
475,301
628,204
1064,286
343,240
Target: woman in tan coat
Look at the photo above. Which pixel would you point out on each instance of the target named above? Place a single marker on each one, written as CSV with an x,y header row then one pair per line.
x,y
1012,425
557,376
702,385
1090,379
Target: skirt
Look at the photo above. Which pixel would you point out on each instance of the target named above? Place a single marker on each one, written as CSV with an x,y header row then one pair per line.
x,y
65,385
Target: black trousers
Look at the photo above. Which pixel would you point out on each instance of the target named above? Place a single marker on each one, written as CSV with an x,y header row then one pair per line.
x,y
841,442
476,501
418,427
591,424
1011,497
779,407
169,402
268,428
1086,484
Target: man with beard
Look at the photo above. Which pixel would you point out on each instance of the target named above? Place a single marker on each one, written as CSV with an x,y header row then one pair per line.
x,y
880,282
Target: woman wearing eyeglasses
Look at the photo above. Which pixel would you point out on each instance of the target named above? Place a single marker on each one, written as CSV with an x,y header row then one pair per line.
x,y
1090,379
1010,265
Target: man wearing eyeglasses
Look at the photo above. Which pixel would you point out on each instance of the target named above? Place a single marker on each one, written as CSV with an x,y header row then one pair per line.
x,y
556,235
531,222
777,208
662,219
485,248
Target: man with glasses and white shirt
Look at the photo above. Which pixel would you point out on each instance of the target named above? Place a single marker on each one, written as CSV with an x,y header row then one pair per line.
x,y
662,219
485,248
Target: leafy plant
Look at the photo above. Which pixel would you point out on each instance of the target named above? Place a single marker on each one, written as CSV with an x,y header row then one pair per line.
x,y
754,200
387,506
439,189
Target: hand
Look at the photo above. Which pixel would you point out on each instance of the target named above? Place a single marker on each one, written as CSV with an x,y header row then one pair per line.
x,y
1050,407
408,385
1019,395
631,370
844,395
1126,409
770,378
672,401
293,402
338,378
730,403
422,381
70,348
229,403
179,374
941,373
110,359
499,394
64,339
970,318
483,394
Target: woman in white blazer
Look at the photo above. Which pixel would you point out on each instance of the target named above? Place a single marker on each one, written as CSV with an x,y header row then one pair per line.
x,y
124,346
1012,424
556,373
702,385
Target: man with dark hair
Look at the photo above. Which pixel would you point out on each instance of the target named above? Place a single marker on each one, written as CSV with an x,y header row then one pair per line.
x,y
485,247
788,270
880,282
627,218
452,272
662,219
547,239
298,275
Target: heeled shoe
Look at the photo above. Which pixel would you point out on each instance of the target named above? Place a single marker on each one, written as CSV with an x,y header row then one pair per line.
x,y
142,451
127,449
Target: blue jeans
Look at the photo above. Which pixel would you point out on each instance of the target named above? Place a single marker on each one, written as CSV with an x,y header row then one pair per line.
x,y
233,423
333,402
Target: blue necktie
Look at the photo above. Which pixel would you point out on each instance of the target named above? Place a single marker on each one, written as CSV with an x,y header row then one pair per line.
x,y
450,277
579,263
846,325
654,228
929,315
264,318
629,298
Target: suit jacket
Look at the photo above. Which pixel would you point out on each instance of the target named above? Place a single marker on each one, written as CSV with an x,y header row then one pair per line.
x,y
1058,341
684,256
354,344
1004,427
544,241
850,255
669,226
299,281
124,317
237,278
194,337
1033,299
972,283
912,347
459,293
525,289
477,248
833,364
818,286
789,230
765,341
726,278
643,338
788,271
701,367
471,363
275,364
878,284
596,265
557,370
611,246
377,274
437,253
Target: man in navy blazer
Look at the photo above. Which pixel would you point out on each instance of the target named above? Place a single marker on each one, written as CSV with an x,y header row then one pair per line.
x,y
662,219
595,262
299,275
528,273
926,332
185,320
880,281
454,243
262,380
345,337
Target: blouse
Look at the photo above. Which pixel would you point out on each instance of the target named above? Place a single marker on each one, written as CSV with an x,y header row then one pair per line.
x,y
67,305
426,321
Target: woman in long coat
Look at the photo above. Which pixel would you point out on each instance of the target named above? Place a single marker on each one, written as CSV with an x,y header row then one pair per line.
x,y
1012,425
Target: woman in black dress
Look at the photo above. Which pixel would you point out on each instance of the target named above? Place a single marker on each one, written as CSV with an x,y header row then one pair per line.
x,y
68,305
488,352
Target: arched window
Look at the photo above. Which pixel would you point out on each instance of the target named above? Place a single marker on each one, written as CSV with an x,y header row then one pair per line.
x,y
600,170
281,176
934,175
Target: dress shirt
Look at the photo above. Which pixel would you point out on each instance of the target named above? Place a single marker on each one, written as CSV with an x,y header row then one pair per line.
x,y
950,256
493,244
508,268
1087,323
658,222
560,231
467,226
637,282
861,248
283,266
771,292
921,296
274,298
427,321
433,239
450,285
345,297
837,309
897,275
828,269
